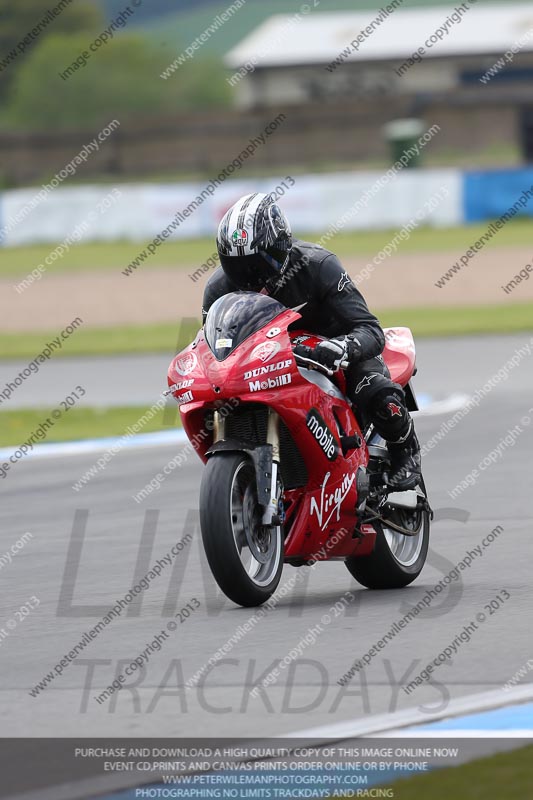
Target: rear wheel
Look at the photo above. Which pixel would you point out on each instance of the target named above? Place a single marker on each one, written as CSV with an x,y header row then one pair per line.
x,y
245,557
397,559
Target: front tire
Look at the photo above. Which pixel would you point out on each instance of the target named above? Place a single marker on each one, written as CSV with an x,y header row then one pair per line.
x,y
246,558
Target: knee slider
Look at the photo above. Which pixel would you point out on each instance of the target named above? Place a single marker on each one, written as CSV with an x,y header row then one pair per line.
x,y
389,412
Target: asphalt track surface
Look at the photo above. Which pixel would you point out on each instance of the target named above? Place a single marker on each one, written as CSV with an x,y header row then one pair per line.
x,y
110,381
37,496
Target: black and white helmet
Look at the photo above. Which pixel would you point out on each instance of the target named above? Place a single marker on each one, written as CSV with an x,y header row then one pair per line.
x,y
254,241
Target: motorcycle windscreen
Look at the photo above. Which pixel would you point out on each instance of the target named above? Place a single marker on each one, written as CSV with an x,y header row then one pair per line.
x,y
234,317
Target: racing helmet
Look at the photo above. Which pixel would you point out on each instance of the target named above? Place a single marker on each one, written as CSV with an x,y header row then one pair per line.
x,y
254,241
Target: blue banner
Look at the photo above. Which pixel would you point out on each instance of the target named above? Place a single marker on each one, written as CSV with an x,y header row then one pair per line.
x,y
489,194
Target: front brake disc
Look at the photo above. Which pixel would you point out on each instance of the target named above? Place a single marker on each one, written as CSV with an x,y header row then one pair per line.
x,y
259,539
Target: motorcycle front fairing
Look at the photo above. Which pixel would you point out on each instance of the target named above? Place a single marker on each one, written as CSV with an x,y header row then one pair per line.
x,y
244,356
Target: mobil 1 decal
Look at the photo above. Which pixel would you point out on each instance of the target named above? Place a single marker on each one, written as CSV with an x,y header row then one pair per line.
x,y
322,434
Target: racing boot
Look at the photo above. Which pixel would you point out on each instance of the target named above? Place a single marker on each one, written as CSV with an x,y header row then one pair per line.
x,y
405,469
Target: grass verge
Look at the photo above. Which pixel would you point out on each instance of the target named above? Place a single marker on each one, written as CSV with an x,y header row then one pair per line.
x,y
506,776
169,338
82,423
462,320
166,338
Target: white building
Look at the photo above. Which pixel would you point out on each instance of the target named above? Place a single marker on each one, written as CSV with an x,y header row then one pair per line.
x,y
326,56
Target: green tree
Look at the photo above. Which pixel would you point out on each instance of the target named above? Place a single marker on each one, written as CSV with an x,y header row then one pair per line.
x,y
120,80
201,83
18,19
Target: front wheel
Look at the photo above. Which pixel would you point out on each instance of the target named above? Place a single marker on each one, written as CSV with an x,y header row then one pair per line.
x,y
245,557
397,559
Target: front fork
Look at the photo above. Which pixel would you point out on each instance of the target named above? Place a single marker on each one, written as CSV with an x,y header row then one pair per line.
x,y
266,460
271,509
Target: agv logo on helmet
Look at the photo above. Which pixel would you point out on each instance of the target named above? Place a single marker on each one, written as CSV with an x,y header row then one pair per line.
x,y
239,237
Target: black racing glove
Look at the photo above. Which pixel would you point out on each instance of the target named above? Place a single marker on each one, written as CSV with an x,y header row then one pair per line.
x,y
327,350
354,349
333,354
329,354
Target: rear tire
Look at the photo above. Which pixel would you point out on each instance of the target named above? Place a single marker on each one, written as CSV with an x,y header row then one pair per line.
x,y
397,560
246,559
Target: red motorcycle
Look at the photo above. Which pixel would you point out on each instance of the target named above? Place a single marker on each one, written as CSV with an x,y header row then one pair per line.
x,y
293,475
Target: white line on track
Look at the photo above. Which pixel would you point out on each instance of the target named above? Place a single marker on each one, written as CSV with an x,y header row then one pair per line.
x,y
411,717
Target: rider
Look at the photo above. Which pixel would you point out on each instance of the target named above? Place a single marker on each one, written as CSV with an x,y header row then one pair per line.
x,y
257,253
